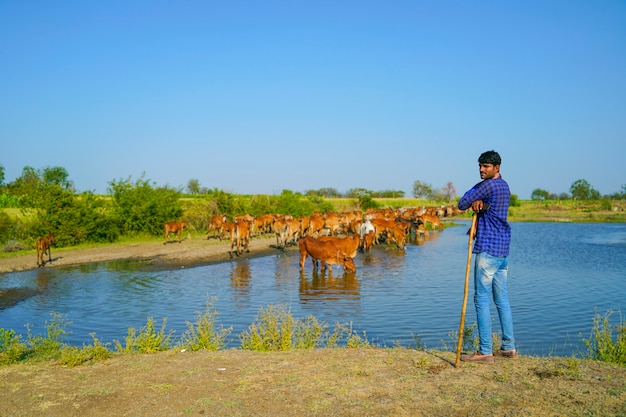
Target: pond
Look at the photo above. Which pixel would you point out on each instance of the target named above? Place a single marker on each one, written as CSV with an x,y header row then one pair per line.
x,y
560,275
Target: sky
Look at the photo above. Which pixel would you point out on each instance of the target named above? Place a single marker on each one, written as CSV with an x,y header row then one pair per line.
x,y
256,97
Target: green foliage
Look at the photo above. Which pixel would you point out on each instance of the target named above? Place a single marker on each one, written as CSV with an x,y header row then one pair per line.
x,y
422,190
582,190
539,194
354,339
12,349
204,334
602,345
140,207
49,345
146,339
514,201
8,200
74,220
310,333
73,356
367,202
272,331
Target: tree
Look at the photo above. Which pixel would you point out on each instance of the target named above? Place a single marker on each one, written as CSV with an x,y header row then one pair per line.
x,y
142,207
582,190
539,194
1,174
193,186
422,190
449,191
56,175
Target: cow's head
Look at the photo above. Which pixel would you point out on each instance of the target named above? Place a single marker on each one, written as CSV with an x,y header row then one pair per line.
x,y
348,264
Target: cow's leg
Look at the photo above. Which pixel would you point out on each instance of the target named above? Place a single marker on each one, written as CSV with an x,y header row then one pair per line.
x,y
302,259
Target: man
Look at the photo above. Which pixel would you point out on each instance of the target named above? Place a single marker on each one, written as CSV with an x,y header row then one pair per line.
x,y
491,249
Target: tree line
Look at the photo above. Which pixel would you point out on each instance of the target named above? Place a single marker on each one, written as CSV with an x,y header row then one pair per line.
x,y
44,201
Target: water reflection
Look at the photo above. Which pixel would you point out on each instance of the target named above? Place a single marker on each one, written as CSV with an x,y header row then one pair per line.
x,y
324,285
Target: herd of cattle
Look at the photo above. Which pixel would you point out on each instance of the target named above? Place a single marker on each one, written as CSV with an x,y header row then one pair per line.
x,y
330,238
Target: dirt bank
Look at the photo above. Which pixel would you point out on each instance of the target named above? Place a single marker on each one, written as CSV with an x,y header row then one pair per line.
x,y
192,251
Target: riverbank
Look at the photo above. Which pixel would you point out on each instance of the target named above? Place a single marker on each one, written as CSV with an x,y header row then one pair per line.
x,y
323,382
191,251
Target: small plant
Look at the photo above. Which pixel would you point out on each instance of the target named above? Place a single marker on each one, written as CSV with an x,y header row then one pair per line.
x,y
50,345
204,334
354,340
74,356
12,349
146,340
309,333
470,338
601,344
419,345
273,330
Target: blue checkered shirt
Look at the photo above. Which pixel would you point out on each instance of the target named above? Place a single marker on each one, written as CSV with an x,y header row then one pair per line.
x,y
493,233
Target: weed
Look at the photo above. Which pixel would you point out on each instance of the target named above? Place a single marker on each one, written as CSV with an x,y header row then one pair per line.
x,y
74,356
12,349
205,334
273,330
50,345
601,344
146,340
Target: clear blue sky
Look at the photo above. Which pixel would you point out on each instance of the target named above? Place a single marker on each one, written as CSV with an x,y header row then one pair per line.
x,y
261,96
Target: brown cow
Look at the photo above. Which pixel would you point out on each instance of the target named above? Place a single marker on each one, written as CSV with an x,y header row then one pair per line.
x,y
348,245
433,220
216,225
398,235
173,227
240,236
368,241
43,246
326,252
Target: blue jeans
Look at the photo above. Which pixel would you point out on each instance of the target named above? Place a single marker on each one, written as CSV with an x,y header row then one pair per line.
x,y
490,275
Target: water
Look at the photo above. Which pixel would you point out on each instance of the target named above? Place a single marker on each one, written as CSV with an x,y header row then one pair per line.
x,y
560,275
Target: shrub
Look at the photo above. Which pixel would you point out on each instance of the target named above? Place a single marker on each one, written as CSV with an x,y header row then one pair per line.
x,y
146,339
74,356
49,345
205,334
12,349
601,344
273,330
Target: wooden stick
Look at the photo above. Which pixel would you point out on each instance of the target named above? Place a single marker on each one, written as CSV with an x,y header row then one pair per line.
x,y
472,233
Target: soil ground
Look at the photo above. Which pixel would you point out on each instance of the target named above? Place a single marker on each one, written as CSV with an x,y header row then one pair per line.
x,y
322,382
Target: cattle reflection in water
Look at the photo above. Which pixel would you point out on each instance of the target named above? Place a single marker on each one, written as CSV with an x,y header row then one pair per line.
x,y
240,275
327,286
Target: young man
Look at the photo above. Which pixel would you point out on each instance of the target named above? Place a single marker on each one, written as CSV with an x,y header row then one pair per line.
x,y
491,249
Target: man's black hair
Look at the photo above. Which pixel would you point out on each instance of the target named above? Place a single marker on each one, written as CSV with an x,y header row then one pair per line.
x,y
490,157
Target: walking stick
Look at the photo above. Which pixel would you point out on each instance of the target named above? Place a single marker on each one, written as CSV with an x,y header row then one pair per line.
x,y
472,232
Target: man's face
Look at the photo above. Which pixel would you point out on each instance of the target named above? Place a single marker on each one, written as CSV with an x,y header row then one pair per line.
x,y
488,171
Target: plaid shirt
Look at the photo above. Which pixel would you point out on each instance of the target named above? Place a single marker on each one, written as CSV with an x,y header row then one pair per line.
x,y
493,233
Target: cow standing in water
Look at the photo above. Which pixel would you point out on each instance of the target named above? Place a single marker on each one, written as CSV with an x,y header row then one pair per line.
x,y
173,227
43,246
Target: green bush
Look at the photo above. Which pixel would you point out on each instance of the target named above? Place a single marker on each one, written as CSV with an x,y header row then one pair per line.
x,y
12,349
146,339
602,345
205,334
48,346
140,207
74,356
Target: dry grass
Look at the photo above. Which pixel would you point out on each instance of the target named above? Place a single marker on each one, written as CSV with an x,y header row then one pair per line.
x,y
324,382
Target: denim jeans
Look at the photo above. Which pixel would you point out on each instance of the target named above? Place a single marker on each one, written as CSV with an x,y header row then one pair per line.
x,y
490,276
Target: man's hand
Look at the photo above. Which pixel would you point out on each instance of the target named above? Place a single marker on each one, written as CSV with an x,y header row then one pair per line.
x,y
477,206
